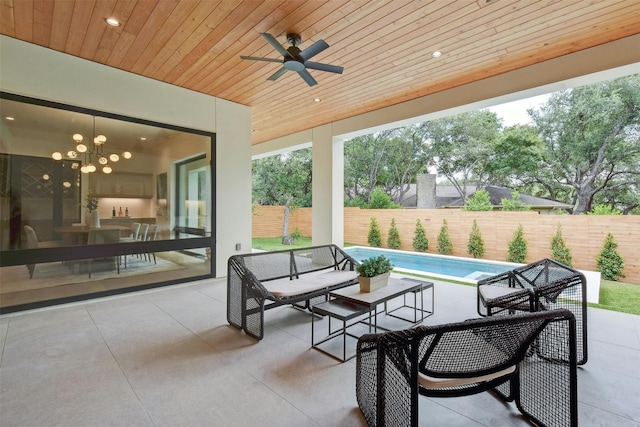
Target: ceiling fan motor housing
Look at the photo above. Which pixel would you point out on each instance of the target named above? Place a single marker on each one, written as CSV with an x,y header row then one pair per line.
x,y
293,62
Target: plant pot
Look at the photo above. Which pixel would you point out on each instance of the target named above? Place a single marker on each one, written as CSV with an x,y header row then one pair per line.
x,y
94,219
370,284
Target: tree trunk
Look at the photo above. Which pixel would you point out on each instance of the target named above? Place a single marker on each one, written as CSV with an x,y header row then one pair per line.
x,y
584,197
286,239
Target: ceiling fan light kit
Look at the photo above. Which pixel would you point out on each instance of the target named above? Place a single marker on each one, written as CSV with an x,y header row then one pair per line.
x,y
294,59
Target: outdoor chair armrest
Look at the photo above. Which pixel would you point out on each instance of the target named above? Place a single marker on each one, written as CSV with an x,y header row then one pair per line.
x,y
386,359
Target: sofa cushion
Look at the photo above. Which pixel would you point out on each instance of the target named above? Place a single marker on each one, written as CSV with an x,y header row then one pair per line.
x,y
284,288
433,383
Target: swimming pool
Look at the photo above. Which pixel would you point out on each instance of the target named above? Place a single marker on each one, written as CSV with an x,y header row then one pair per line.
x,y
443,266
467,270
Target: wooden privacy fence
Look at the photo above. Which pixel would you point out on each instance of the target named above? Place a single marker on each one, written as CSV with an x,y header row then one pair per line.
x,y
583,234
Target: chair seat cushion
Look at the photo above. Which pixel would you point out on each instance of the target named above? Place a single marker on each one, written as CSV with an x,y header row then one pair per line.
x,y
433,383
489,292
283,288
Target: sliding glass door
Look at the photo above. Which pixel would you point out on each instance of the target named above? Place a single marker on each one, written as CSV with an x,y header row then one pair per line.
x,y
192,213
95,203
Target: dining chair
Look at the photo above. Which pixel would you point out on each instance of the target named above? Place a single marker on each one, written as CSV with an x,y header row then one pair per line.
x,y
132,237
142,235
34,243
98,236
152,235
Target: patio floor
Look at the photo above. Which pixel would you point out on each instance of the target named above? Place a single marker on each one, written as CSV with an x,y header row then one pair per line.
x,y
168,357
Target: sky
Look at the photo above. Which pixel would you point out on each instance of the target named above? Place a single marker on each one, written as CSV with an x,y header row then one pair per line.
x,y
515,113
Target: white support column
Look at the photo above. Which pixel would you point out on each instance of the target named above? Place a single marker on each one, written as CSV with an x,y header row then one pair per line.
x,y
328,187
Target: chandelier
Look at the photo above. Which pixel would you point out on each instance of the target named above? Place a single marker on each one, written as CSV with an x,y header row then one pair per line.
x,y
89,154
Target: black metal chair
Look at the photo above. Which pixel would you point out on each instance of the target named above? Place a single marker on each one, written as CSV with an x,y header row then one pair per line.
x,y
542,285
529,358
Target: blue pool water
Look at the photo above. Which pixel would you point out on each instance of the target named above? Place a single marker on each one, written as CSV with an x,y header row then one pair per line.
x,y
457,268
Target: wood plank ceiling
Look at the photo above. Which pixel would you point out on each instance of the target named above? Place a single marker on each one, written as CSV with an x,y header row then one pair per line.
x,y
385,46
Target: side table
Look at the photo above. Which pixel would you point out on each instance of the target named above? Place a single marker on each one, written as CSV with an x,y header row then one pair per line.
x,y
414,308
342,311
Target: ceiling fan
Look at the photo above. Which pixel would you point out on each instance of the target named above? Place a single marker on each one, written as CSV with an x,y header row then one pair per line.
x,y
297,60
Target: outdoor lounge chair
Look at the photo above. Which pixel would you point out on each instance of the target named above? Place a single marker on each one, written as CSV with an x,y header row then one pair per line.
x,y
529,358
542,285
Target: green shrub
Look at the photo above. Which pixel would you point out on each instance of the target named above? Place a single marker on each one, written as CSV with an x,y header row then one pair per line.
x,y
445,246
475,246
381,200
296,234
610,263
514,204
374,238
357,202
559,250
420,241
517,246
393,240
604,210
480,201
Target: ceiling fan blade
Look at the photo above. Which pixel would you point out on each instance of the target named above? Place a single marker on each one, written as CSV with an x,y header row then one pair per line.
x,y
277,74
255,58
313,50
307,77
324,67
277,46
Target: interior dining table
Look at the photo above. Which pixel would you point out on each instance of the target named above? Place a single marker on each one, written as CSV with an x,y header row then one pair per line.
x,y
79,234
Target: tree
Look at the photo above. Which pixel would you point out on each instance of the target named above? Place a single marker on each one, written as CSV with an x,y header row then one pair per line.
x,y
445,246
480,201
592,140
460,146
406,157
517,246
517,155
393,240
420,240
514,204
610,263
559,250
475,246
363,161
283,180
375,237
389,160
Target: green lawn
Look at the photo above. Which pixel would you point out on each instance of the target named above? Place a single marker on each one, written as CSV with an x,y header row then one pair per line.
x,y
615,296
619,296
275,243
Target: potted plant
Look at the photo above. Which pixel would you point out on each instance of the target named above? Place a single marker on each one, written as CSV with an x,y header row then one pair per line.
x,y
374,273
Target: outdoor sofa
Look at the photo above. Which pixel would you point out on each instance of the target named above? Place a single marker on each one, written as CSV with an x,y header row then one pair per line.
x,y
301,277
529,358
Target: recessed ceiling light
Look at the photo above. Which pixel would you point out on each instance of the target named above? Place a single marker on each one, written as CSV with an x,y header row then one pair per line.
x,y
9,118
113,22
143,138
316,100
436,54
